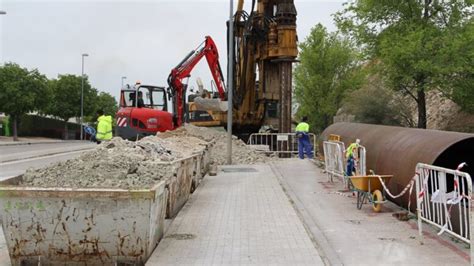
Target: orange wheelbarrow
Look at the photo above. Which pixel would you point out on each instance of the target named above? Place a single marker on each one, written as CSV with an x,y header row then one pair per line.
x,y
369,189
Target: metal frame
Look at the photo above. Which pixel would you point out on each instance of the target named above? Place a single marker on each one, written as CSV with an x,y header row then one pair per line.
x,y
279,143
368,196
334,161
438,211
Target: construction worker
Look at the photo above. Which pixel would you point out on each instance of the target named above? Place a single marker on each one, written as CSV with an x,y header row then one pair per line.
x,y
304,144
351,153
104,127
140,102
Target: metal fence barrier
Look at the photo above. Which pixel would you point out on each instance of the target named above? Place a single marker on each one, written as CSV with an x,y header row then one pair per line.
x,y
334,161
444,201
281,144
361,167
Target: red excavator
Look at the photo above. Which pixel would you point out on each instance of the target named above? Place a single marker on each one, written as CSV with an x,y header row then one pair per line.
x,y
139,116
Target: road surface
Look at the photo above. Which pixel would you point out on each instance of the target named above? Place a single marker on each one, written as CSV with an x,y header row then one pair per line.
x,y
16,159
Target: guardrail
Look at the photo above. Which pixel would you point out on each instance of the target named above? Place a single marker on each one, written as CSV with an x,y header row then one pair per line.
x,y
285,144
444,201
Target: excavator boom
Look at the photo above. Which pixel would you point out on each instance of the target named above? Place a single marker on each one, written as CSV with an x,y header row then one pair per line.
x,y
183,70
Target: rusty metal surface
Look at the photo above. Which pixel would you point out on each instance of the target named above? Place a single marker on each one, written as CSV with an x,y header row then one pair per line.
x,y
396,150
179,185
82,227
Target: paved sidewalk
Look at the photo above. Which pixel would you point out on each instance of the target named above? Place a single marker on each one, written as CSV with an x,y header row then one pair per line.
x,y
237,218
352,237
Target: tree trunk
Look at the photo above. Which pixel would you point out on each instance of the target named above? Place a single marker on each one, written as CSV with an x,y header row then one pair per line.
x,y
421,108
66,133
15,131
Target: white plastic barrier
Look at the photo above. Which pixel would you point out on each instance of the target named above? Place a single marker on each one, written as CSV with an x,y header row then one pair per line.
x,y
278,143
444,201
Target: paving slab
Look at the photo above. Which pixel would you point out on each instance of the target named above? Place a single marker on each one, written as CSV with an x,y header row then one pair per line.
x,y
354,237
239,217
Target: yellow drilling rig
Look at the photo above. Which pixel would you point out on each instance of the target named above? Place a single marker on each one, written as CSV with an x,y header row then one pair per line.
x,y
265,47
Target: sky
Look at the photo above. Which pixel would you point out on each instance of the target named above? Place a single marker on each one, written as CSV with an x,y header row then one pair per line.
x,y
142,40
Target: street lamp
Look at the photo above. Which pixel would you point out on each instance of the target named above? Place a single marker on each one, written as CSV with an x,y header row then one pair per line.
x,y
82,95
230,77
123,78
3,12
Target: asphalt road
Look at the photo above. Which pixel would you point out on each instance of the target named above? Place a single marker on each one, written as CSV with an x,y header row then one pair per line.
x,y
17,152
15,160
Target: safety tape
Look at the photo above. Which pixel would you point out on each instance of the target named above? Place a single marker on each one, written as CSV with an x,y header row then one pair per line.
x,y
409,186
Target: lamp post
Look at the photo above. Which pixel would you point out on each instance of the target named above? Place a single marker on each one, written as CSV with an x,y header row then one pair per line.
x,y
123,78
230,82
82,96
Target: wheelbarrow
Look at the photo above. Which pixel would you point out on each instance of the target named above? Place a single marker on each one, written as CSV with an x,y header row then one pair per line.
x,y
369,188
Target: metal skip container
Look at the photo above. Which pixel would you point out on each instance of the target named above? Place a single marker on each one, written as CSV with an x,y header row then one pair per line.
x,y
51,226
188,173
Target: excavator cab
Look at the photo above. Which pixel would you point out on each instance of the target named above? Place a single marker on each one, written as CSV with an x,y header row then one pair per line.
x,y
143,111
154,97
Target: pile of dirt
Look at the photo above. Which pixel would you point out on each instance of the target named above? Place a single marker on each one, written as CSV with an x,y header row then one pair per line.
x,y
241,153
117,164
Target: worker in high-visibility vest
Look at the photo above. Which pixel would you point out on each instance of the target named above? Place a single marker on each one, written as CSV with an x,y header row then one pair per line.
x,y
351,153
104,127
304,144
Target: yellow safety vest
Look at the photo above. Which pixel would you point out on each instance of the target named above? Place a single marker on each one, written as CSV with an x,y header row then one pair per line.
x,y
104,127
302,127
350,149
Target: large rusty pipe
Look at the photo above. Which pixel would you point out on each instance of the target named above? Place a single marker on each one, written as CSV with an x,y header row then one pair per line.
x,y
397,150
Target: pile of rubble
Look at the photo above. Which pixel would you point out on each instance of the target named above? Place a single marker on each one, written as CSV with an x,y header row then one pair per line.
x,y
133,165
241,153
116,164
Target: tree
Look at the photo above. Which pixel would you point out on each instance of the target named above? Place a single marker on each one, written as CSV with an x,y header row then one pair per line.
x,y
374,103
107,103
21,91
328,68
457,78
414,41
66,100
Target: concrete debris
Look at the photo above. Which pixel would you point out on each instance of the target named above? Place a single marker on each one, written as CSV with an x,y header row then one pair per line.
x,y
241,153
115,164
136,165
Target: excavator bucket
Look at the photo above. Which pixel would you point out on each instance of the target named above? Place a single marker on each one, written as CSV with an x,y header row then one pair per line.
x,y
204,104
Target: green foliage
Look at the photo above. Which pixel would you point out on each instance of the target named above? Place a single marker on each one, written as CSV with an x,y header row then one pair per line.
x,y
107,103
22,90
375,104
327,70
457,75
66,99
422,44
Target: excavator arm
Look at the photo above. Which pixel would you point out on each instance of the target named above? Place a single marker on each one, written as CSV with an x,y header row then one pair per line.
x,y
183,70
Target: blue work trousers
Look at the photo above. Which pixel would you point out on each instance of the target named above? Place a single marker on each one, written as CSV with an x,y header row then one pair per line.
x,y
304,146
350,166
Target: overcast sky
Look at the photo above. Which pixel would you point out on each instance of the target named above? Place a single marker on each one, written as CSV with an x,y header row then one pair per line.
x,y
142,40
